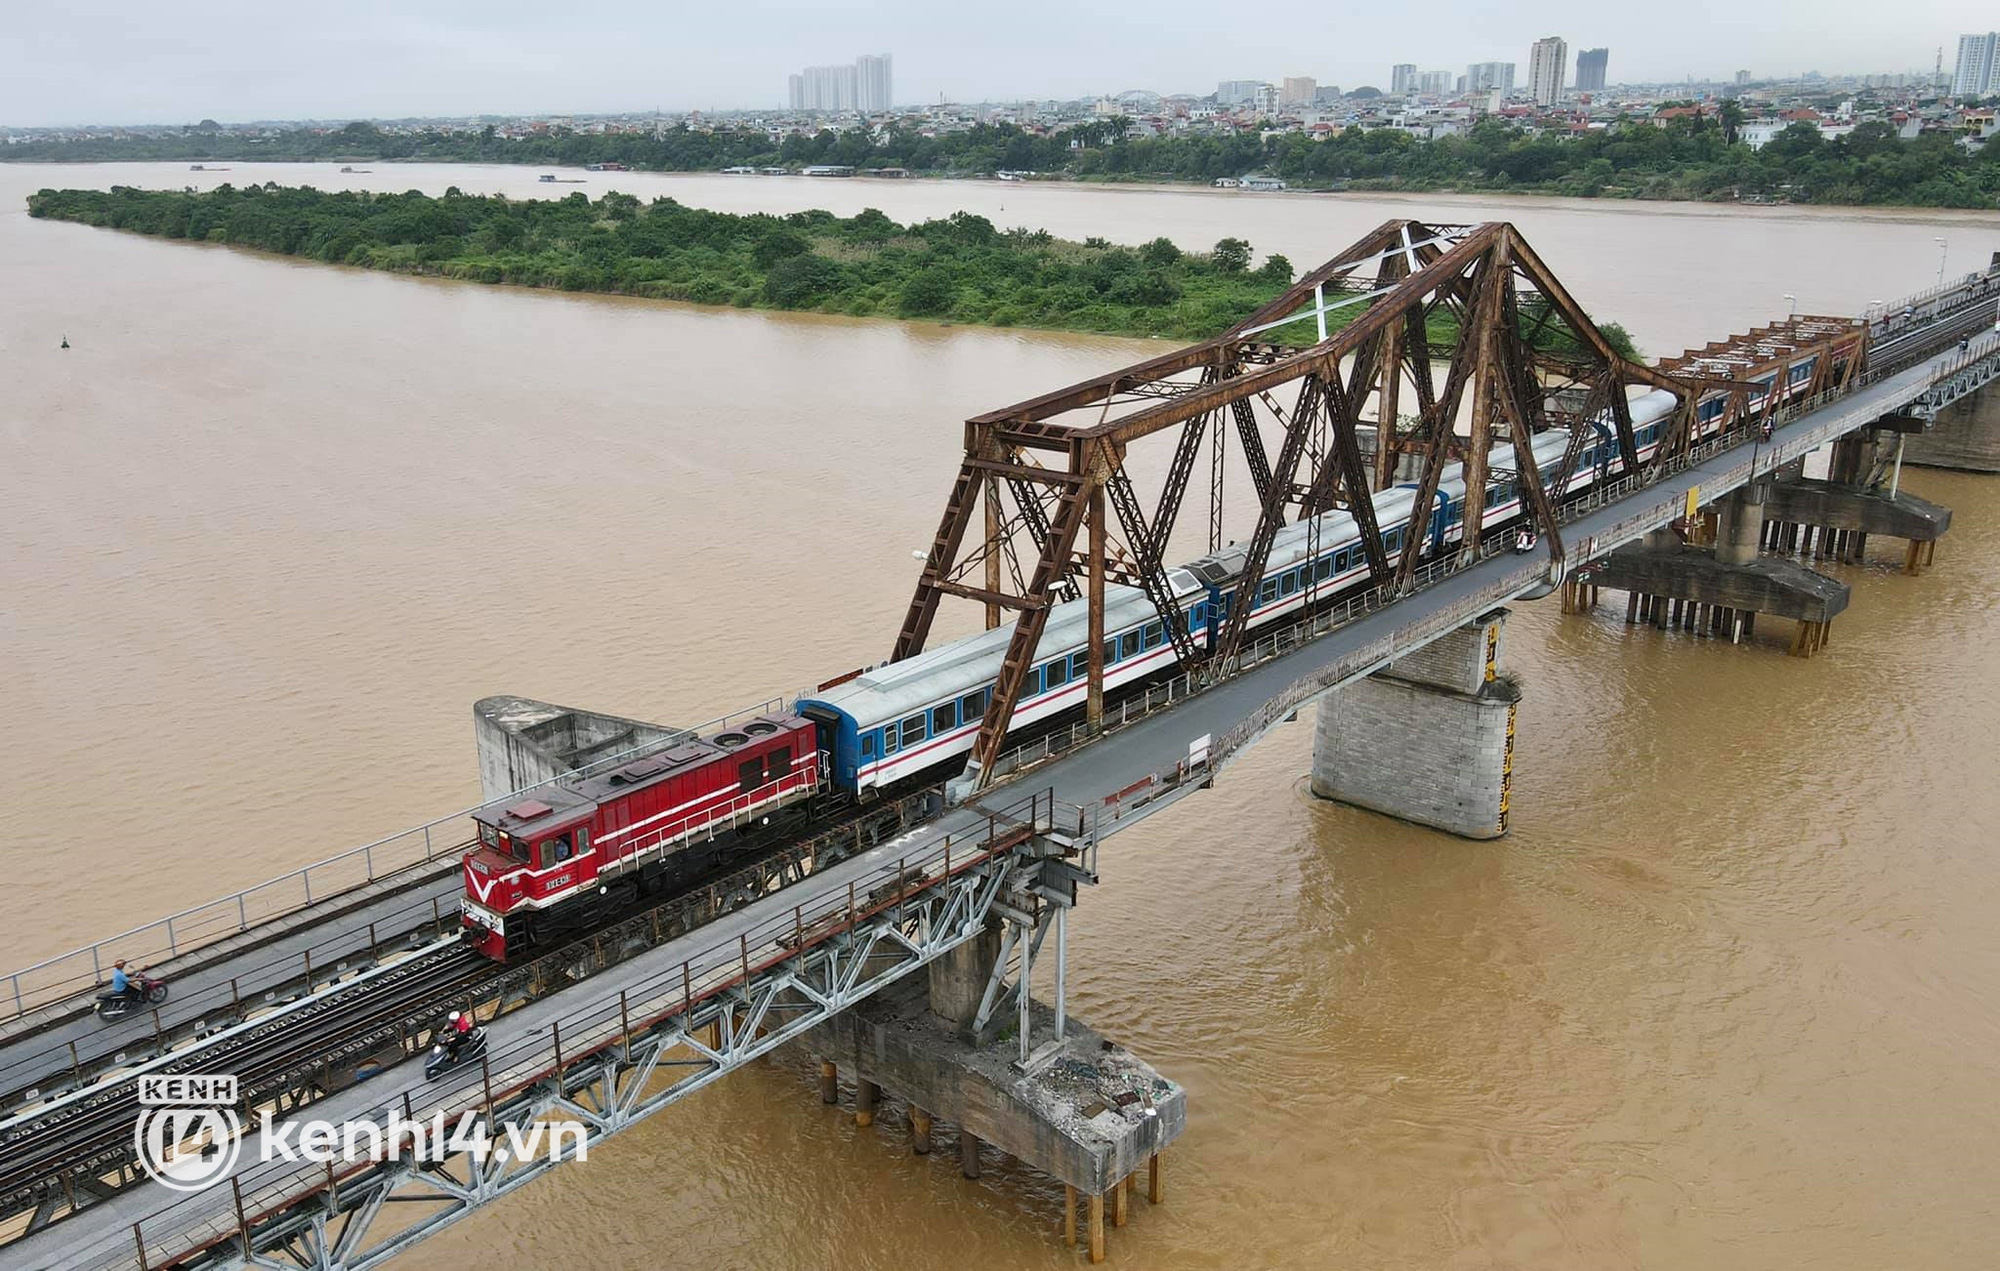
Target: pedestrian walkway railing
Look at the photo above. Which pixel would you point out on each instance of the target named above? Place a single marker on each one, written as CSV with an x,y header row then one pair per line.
x,y
725,1002
408,852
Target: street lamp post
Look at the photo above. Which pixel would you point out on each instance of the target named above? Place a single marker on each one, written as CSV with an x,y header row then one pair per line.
x,y
1793,311
1944,249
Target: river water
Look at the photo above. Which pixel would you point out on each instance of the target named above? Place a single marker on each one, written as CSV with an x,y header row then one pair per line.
x,y
1725,996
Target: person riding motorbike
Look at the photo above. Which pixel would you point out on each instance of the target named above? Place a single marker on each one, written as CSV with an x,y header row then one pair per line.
x,y
460,1029
1524,540
122,985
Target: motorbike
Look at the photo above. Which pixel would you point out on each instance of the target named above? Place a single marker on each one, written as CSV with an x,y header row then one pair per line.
x,y
1524,542
144,990
448,1054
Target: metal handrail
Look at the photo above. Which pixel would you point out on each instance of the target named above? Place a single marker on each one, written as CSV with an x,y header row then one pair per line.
x,y
675,992
67,974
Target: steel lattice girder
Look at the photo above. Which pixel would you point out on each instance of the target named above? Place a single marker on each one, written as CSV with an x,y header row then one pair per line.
x,y
1394,282
607,1076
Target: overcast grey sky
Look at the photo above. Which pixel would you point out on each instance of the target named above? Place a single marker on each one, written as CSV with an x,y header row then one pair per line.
x,y
121,61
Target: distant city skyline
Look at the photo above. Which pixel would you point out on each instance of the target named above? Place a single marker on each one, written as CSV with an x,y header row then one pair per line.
x,y
866,84
105,61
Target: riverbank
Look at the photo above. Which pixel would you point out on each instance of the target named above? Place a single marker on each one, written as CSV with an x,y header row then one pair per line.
x,y
1680,160
959,268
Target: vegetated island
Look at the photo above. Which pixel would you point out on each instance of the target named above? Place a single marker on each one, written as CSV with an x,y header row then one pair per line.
x,y
960,268
1692,156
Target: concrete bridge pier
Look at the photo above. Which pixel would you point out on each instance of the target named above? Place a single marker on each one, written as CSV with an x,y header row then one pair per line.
x,y
1429,739
1965,436
1833,520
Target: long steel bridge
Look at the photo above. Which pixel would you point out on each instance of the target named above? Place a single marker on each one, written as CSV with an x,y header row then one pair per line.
x,y
291,984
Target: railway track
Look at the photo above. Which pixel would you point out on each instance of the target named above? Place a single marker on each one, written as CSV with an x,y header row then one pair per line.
x,y
80,1148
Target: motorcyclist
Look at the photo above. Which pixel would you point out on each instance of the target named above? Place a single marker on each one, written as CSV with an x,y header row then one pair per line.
x,y
460,1028
1524,540
122,985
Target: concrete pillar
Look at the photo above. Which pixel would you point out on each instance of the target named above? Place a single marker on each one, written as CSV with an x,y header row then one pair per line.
x,y
968,1153
1429,739
866,1093
1965,436
829,1082
958,979
920,1131
1742,524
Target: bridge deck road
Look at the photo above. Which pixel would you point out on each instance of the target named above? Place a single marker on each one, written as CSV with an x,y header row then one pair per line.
x,y
272,958
102,1234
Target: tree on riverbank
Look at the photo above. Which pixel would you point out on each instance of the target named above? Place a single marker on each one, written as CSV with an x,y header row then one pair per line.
x,y
960,268
1689,157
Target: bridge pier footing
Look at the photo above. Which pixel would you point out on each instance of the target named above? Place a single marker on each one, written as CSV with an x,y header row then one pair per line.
x,y
1428,739
1084,1111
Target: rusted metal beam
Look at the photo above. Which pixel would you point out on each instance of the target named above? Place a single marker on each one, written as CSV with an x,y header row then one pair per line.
x,y
1147,547
1050,567
1094,649
1271,515
1384,310
944,550
985,596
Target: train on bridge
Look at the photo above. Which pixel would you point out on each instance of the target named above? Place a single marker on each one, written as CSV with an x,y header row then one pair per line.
x,y
551,864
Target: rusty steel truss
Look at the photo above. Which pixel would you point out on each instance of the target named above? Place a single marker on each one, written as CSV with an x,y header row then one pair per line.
x,y
1463,323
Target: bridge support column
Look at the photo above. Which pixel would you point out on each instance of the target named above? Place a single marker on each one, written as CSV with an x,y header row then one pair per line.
x,y
958,979
1429,739
1740,532
1965,437
866,1093
829,1082
920,1131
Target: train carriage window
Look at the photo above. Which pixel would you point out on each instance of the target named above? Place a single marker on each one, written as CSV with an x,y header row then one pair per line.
x,y
488,836
582,839
944,718
1153,635
868,745
555,850
749,775
1110,653
1079,666
1056,674
1323,569
974,705
913,730
1268,591
1128,645
778,764
890,745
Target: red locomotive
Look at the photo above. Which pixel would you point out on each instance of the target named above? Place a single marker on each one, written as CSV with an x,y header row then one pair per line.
x,y
569,854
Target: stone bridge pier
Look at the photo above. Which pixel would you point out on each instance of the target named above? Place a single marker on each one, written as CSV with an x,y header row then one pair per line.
x,y
1429,738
